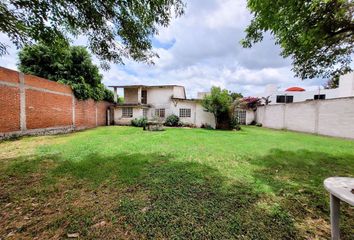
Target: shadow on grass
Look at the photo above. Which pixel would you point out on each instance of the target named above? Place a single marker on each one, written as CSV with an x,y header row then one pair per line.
x,y
296,178
157,197
164,198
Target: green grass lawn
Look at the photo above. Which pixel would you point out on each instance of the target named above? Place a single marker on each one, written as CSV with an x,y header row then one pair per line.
x,y
124,183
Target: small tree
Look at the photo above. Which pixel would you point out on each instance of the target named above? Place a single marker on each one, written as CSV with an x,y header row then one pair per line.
x,y
218,102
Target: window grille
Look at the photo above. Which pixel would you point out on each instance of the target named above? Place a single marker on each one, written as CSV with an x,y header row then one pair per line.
x,y
241,116
185,112
160,112
127,112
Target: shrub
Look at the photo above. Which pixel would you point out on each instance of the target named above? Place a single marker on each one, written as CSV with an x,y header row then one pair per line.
x,y
172,121
139,122
234,123
259,124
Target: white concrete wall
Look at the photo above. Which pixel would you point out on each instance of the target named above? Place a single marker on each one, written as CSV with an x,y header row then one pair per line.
x,y
346,85
203,117
178,92
184,104
250,116
333,117
119,120
159,97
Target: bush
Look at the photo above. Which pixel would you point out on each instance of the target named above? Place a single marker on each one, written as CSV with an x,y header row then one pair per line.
x,y
234,123
139,122
172,121
259,124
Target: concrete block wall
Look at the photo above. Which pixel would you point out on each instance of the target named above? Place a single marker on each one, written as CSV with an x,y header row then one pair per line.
x,y
332,117
33,105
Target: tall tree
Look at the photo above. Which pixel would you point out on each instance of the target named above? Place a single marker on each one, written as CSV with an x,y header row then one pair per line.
x,y
318,35
70,65
114,29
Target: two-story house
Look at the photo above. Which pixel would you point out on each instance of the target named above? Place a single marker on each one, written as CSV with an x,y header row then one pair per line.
x,y
158,101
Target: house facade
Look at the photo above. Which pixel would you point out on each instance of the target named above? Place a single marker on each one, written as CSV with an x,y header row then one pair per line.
x,y
158,102
297,94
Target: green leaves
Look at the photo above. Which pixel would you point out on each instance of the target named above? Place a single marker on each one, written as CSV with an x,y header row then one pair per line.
x,y
68,65
317,35
114,29
218,102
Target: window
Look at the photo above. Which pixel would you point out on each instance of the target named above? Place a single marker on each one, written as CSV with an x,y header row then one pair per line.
x,y
241,116
184,112
127,112
160,112
145,112
285,99
319,97
144,97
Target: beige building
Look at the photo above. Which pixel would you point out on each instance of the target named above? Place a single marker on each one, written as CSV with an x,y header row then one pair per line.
x,y
161,102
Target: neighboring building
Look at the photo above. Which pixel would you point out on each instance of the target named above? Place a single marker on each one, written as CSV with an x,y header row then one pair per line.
x,y
297,94
159,101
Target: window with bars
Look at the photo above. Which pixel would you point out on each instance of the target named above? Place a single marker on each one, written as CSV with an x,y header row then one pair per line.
x,y
241,116
145,112
127,112
184,112
160,112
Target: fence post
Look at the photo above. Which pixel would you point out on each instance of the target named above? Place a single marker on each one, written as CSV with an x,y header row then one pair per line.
x,y
317,115
23,123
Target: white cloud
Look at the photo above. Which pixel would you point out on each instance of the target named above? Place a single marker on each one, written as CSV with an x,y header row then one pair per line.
x,y
205,51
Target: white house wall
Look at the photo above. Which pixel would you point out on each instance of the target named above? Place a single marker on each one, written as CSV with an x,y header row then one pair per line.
x,y
119,120
346,85
185,104
345,89
306,95
159,97
178,92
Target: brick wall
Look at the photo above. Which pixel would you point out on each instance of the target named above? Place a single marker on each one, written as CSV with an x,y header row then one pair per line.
x,y
33,105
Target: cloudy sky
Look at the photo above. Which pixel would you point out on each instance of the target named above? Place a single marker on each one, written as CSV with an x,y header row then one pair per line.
x,y
201,49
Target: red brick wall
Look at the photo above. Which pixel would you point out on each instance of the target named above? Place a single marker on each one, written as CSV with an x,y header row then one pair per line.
x,y
9,109
102,113
85,113
8,75
47,105
42,83
46,110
